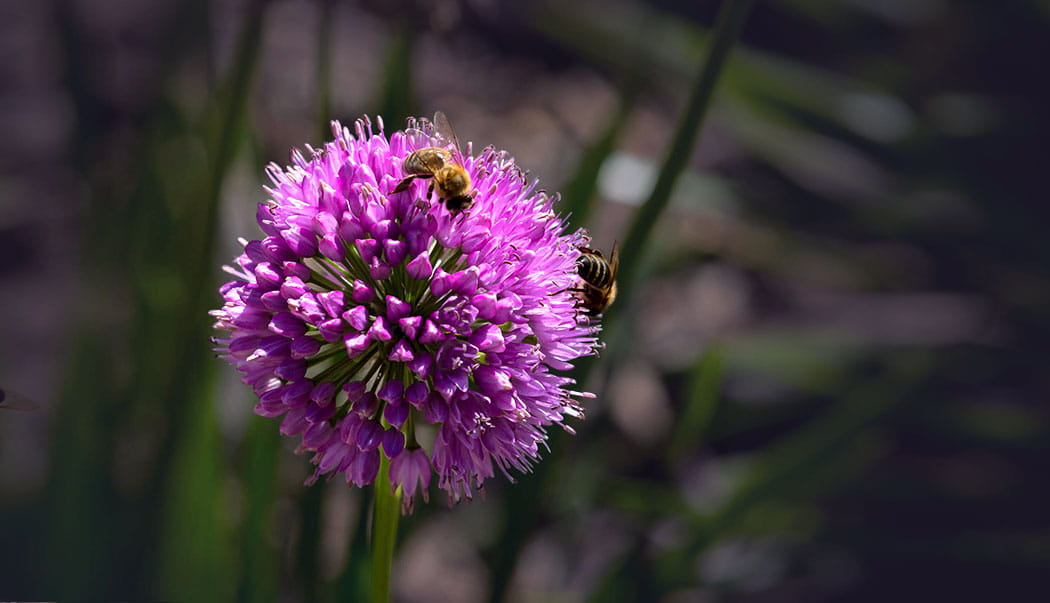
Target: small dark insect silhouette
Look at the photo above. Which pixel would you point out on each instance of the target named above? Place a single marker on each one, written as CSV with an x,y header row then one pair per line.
x,y
598,289
11,400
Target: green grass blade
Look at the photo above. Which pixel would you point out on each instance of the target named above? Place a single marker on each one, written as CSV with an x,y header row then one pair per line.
x,y
307,570
259,560
730,21
352,584
222,136
79,482
195,559
396,98
701,402
196,548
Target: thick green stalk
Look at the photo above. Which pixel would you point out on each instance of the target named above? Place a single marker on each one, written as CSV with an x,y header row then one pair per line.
x,y
384,532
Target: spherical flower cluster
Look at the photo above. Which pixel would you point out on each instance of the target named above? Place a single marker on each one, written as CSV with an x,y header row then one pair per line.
x,y
383,323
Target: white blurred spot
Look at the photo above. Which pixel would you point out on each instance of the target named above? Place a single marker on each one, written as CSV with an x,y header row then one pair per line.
x,y
625,178
876,116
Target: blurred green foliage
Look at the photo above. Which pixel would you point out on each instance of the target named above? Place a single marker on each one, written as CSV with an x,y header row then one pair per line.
x,y
871,427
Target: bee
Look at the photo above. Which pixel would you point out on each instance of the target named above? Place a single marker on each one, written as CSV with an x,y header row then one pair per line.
x,y
599,278
11,400
443,166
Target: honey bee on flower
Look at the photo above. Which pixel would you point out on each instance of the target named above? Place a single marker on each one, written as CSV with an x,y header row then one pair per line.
x,y
443,166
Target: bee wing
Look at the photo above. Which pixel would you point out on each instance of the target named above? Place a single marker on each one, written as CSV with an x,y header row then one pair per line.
x,y
444,132
415,134
9,399
614,258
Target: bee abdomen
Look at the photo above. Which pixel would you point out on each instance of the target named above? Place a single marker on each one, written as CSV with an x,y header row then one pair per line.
x,y
594,270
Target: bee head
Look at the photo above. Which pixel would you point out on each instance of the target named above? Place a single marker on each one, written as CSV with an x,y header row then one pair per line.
x,y
460,203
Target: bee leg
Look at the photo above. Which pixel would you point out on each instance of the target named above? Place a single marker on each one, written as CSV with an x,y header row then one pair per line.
x,y
430,190
405,182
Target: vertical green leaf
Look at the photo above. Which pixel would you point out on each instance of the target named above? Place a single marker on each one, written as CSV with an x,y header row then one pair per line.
x,y
727,27
311,506
397,98
76,549
352,584
701,402
259,559
195,558
98,529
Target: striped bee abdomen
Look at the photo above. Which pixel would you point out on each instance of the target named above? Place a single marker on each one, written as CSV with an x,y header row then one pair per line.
x,y
598,275
593,269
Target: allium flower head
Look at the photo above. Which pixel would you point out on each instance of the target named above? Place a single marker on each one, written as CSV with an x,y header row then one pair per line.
x,y
372,320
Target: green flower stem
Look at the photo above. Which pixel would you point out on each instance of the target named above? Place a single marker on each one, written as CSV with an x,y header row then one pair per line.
x,y
384,532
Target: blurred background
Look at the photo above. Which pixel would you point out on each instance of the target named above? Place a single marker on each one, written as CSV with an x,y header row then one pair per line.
x,y
824,376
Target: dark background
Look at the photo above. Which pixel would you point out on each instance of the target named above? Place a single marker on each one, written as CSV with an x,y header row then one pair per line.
x,y
826,382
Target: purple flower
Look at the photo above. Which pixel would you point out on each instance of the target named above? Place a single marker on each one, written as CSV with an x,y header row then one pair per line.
x,y
374,320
